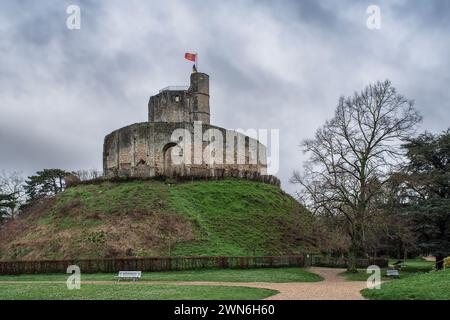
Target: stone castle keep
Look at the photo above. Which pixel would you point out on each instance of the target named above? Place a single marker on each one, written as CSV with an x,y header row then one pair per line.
x,y
179,127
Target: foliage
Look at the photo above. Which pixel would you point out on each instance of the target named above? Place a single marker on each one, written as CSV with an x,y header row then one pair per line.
x,y
393,234
425,192
351,156
447,263
45,183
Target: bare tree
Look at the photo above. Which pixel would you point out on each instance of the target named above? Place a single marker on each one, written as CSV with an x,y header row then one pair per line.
x,y
90,174
351,157
11,183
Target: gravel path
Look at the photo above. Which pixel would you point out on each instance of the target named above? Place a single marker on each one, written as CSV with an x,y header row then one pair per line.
x,y
333,287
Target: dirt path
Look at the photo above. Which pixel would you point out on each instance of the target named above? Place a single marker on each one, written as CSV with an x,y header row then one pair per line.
x,y
333,287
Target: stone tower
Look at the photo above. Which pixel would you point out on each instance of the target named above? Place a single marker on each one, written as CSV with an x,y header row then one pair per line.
x,y
199,97
182,104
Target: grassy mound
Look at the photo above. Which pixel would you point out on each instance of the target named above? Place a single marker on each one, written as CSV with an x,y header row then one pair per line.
x,y
149,218
428,286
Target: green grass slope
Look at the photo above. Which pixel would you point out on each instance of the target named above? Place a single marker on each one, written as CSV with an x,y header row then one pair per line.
x,y
428,286
148,218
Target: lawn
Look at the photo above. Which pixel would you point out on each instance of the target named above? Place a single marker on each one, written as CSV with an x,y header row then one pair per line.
x,y
147,290
362,275
411,267
129,291
228,275
415,265
428,286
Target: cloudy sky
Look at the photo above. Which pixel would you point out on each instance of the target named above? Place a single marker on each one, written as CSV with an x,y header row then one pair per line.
x,y
273,65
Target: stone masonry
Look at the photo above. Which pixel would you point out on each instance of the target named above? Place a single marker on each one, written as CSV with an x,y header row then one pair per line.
x,y
178,140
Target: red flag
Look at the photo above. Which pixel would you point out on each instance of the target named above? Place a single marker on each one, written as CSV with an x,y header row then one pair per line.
x,y
190,56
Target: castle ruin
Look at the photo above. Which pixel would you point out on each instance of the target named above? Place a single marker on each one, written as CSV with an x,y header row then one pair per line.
x,y
178,140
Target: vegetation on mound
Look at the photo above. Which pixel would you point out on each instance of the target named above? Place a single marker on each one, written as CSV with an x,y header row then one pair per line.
x,y
148,218
429,286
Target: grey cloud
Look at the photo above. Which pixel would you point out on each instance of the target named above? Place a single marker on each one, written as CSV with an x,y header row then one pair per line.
x,y
272,65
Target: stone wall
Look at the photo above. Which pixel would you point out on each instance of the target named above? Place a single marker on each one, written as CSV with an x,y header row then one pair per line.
x,y
169,106
152,149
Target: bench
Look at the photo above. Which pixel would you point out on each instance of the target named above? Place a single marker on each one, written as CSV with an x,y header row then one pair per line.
x,y
130,275
392,273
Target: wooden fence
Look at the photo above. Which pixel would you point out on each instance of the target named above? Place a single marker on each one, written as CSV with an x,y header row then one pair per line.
x,y
322,261
177,263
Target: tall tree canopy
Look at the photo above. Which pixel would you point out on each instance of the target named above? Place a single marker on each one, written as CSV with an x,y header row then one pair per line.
x,y
351,156
426,192
45,183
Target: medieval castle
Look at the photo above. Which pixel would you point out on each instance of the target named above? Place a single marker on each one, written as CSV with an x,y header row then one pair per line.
x,y
178,140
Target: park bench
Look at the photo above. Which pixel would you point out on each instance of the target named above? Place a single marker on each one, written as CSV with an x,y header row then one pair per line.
x,y
129,275
392,273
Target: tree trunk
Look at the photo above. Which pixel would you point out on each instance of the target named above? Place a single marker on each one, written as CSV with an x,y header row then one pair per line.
x,y
439,262
356,249
351,265
354,253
